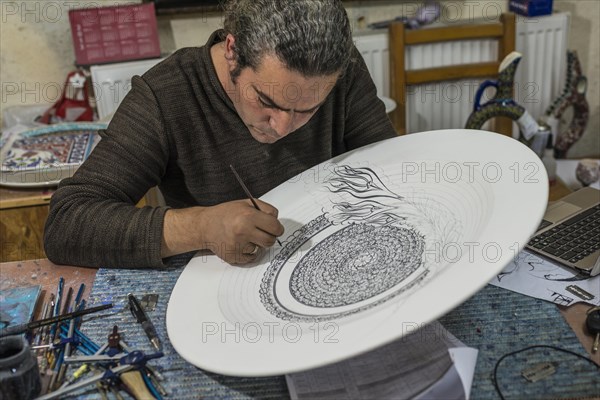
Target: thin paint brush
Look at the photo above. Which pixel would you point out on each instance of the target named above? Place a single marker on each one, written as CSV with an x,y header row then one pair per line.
x,y
39,333
17,329
247,192
46,328
56,313
79,295
67,302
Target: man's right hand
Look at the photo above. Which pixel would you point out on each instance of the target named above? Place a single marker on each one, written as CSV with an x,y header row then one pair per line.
x,y
231,230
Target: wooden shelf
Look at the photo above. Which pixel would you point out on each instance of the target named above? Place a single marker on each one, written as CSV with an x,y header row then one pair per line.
x,y
23,216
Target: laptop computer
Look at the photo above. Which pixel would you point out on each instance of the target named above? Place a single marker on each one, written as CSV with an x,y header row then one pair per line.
x,y
570,232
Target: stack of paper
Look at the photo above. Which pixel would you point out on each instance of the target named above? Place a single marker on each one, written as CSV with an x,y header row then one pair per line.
x,y
427,364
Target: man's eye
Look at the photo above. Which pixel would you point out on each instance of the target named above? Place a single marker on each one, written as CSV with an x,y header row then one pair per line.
x,y
262,103
309,112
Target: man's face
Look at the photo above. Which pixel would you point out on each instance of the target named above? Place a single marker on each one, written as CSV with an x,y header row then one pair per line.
x,y
274,101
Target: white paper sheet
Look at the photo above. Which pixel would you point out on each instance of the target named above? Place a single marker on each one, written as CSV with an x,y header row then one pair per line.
x,y
533,276
465,359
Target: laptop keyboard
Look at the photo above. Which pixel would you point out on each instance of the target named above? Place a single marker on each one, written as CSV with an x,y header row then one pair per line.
x,y
573,239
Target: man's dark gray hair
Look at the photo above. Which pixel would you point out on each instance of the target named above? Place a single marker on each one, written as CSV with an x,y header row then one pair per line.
x,y
311,37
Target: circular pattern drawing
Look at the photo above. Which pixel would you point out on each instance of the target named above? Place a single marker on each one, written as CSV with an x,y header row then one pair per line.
x,y
356,263
364,260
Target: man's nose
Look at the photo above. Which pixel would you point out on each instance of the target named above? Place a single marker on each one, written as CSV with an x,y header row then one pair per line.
x,y
282,122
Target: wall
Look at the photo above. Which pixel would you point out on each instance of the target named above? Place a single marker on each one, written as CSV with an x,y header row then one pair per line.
x,y
36,50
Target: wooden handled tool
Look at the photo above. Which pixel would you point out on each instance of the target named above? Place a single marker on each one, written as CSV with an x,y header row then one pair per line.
x,y
135,383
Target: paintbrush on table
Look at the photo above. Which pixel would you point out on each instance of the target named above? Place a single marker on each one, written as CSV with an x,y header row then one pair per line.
x,y
22,328
247,192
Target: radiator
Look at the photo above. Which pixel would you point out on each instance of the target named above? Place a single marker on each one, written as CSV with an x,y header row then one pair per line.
x,y
539,79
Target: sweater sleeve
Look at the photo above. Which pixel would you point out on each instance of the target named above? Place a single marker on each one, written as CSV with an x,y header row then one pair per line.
x,y
366,119
93,220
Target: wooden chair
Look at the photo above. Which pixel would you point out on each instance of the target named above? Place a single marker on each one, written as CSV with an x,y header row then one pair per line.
x,y
400,78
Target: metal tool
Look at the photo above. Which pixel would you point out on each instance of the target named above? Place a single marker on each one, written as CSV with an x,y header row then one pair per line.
x,y
133,360
76,375
142,318
58,343
149,301
539,371
83,383
94,358
152,373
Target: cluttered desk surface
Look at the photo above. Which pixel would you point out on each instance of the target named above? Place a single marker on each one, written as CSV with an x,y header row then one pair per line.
x,y
494,321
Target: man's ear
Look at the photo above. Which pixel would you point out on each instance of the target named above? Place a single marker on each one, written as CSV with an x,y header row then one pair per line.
x,y
230,52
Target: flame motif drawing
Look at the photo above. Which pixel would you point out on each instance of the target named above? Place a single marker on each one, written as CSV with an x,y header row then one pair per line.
x,y
361,192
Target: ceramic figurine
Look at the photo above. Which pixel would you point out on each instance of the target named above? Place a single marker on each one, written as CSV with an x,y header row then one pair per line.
x,y
502,104
573,95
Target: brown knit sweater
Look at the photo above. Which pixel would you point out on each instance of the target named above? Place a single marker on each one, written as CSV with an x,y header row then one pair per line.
x,y
178,129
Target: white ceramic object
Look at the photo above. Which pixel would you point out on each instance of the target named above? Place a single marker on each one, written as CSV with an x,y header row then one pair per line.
x,y
444,212
42,157
390,104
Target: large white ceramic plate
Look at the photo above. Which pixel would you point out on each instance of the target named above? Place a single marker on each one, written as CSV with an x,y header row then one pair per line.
x,y
378,242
